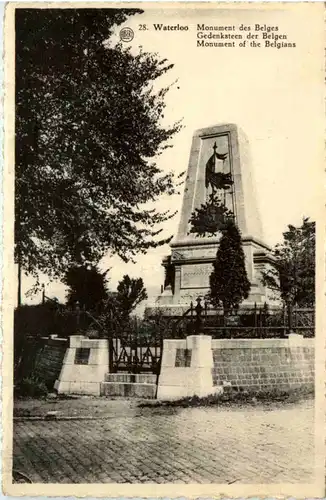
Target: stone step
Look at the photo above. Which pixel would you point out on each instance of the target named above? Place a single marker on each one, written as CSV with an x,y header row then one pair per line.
x,y
141,378
127,390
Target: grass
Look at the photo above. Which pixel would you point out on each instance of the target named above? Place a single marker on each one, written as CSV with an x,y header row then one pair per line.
x,y
100,406
235,397
31,387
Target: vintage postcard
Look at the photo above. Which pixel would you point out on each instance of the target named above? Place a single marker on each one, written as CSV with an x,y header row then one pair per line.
x,y
164,230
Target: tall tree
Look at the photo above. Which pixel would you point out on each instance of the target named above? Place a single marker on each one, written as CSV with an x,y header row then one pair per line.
x,y
293,275
130,293
229,284
87,286
88,130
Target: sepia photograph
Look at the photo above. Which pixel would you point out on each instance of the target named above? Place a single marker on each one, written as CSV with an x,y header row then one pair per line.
x,y
163,249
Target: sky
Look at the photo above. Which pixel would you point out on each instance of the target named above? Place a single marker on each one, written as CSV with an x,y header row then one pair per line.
x,y
274,95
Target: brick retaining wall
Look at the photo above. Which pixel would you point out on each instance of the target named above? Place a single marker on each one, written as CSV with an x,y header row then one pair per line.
x,y
264,365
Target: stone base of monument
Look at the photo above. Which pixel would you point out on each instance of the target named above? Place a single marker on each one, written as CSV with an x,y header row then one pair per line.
x,y
193,267
84,366
186,368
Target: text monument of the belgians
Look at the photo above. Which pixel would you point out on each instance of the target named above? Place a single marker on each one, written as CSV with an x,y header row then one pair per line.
x,y
217,149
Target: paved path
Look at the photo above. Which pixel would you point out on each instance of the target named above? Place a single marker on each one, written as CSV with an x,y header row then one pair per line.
x,y
171,445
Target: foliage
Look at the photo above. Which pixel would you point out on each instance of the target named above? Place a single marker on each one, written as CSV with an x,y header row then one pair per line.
x,y
233,396
229,283
87,285
31,387
211,217
115,317
130,293
88,129
26,350
293,273
42,320
34,320
156,325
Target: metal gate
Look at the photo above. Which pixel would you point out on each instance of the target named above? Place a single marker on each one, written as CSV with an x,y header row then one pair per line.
x,y
135,353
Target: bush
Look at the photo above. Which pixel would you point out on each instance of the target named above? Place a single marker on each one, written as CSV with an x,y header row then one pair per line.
x,y
31,387
232,396
46,319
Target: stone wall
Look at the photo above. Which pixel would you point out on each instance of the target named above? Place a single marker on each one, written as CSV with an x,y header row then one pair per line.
x,y
196,365
49,360
264,364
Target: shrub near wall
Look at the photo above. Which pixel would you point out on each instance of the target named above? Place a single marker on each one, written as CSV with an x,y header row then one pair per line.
x,y
41,360
47,319
34,321
25,354
31,323
263,365
49,361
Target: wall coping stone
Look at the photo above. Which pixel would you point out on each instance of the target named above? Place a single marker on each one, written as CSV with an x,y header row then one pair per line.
x,y
261,343
57,341
177,343
94,343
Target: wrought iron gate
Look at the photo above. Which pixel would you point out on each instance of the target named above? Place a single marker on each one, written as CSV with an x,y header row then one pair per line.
x,y
134,353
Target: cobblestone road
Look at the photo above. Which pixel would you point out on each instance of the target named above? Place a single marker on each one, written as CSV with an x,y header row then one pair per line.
x,y
165,445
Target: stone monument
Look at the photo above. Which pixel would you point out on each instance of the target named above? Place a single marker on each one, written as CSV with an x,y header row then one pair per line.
x,y
216,150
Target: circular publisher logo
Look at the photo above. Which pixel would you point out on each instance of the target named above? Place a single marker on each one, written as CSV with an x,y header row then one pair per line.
x,y
126,34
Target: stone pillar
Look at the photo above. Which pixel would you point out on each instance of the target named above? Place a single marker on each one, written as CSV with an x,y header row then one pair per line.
x,y
84,367
201,381
186,368
295,340
172,382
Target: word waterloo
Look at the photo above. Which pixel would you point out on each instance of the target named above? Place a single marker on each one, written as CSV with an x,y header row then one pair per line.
x,y
206,27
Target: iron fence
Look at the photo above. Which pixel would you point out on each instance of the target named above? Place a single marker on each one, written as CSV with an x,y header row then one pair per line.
x,y
258,322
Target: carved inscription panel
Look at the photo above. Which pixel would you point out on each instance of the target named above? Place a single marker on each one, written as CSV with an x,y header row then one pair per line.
x,y
196,275
195,252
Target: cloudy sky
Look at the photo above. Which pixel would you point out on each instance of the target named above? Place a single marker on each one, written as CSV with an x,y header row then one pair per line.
x,y
274,95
